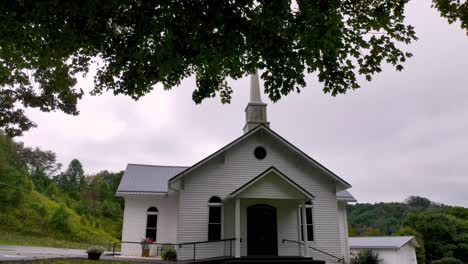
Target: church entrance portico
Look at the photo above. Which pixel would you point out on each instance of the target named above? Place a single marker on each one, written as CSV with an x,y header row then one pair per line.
x,y
263,212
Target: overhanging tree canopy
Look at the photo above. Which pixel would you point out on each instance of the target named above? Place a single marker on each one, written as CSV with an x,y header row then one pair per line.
x,y
45,44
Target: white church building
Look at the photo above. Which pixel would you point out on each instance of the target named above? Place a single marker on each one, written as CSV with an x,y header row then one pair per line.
x,y
258,196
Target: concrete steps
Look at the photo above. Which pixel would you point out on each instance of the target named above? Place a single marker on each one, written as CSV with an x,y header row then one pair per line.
x,y
255,260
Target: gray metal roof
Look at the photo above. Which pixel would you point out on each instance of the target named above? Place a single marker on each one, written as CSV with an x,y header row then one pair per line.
x,y
381,242
147,179
345,196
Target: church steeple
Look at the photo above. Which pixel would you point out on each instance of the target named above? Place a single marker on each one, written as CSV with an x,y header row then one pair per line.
x,y
255,112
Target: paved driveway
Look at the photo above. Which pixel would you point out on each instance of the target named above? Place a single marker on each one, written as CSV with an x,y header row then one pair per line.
x,y
21,252
14,253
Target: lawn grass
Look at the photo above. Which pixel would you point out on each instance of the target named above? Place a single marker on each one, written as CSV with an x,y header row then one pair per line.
x,y
19,239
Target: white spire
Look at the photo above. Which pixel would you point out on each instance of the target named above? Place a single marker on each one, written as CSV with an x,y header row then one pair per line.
x,y
255,112
255,89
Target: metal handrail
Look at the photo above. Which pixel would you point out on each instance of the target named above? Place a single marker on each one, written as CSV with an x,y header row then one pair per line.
x,y
205,241
208,241
321,251
194,243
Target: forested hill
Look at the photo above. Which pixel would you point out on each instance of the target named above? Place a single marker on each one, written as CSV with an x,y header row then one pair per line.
x,y
44,205
441,230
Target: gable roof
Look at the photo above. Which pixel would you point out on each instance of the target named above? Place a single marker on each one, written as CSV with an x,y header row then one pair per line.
x,y
146,179
346,196
267,172
275,135
381,242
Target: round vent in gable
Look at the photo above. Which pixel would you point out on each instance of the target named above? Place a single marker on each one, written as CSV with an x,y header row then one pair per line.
x,y
260,152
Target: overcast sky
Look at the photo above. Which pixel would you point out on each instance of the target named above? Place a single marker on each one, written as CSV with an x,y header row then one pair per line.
x,y
405,133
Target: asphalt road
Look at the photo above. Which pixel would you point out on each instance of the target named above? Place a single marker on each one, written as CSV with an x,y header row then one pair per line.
x,y
22,252
15,253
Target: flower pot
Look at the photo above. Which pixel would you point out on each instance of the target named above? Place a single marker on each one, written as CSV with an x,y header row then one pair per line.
x,y
94,256
145,250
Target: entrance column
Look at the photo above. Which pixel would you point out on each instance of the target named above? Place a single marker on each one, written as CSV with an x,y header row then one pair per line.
x,y
237,244
304,230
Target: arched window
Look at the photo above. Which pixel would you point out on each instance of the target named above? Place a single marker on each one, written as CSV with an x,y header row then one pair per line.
x,y
214,218
309,222
151,222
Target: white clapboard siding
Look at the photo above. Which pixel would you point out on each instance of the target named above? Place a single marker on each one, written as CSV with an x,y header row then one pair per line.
x,y
271,186
134,224
342,220
221,176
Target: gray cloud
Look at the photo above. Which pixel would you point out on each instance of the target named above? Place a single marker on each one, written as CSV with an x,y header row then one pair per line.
x,y
405,133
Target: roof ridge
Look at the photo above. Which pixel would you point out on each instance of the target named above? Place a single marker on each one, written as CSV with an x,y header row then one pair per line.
x,y
149,165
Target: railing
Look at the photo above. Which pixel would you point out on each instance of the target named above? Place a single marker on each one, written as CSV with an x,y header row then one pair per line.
x,y
139,243
180,245
321,251
194,259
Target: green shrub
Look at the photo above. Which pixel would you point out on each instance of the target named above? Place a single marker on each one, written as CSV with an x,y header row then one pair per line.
x,y
169,254
95,250
365,257
60,218
110,209
447,260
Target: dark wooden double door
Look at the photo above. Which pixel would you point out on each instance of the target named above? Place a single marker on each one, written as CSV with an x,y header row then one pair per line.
x,y
262,234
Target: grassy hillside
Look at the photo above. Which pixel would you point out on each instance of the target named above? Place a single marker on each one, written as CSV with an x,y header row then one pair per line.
x,y
42,221
41,207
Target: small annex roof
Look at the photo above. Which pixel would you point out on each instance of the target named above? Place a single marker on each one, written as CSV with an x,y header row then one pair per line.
x,y
267,172
381,242
346,196
275,135
146,179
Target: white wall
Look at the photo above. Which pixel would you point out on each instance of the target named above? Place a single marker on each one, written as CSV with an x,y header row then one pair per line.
x,y
237,166
134,224
404,255
407,254
343,223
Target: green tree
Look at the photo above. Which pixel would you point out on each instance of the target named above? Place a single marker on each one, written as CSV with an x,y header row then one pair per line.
x,y
72,180
418,201
60,218
447,260
36,160
444,235
45,45
14,182
453,10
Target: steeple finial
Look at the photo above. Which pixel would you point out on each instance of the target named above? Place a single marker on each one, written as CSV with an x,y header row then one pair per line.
x,y
255,112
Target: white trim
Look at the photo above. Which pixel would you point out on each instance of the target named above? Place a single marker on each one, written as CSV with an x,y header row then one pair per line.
x,y
238,231
304,231
311,206
277,173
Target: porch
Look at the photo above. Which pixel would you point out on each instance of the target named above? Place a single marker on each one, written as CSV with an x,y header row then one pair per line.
x,y
265,211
